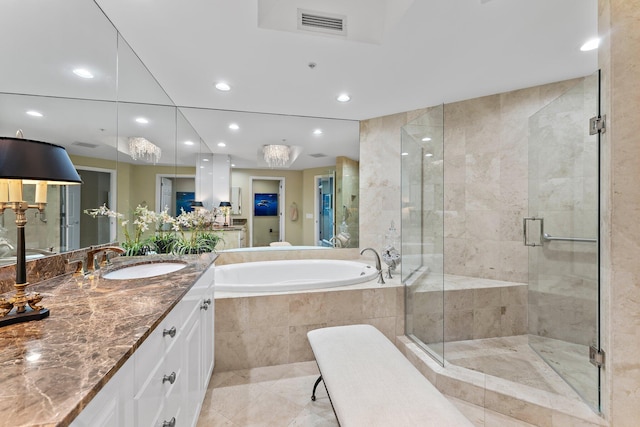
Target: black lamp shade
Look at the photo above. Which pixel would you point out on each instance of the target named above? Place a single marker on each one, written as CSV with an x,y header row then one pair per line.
x,y
26,159
224,205
196,204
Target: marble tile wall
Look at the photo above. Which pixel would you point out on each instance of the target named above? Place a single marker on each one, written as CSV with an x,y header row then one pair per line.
x,y
347,197
41,269
485,179
270,330
467,313
267,330
618,59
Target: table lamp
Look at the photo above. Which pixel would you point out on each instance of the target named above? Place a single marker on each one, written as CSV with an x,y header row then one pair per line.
x,y
24,161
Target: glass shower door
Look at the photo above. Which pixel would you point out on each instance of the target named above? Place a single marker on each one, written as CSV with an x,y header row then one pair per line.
x,y
423,230
562,231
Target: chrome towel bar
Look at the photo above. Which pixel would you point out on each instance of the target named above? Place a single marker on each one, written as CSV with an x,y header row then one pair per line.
x,y
548,237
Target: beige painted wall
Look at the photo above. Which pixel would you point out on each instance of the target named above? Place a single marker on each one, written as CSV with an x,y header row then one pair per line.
x,y
293,193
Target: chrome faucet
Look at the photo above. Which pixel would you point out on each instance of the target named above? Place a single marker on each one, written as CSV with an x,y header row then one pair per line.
x,y
378,265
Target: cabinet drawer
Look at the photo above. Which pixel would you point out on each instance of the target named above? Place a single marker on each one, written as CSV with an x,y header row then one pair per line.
x,y
162,386
161,340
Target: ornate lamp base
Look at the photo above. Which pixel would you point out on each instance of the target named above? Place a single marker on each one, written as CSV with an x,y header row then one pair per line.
x,y
29,315
21,307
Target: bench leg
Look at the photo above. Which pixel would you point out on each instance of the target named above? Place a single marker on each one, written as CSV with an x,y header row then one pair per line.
x,y
315,386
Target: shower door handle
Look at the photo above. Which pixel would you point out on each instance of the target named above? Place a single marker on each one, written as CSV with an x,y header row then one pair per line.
x,y
525,228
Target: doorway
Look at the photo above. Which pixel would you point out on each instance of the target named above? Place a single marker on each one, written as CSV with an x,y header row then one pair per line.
x,y
78,230
174,192
266,217
324,210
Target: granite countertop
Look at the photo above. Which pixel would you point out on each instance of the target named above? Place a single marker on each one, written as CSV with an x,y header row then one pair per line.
x,y
50,369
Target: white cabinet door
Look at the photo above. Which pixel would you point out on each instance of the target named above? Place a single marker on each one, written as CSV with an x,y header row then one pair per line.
x,y
207,319
113,405
192,359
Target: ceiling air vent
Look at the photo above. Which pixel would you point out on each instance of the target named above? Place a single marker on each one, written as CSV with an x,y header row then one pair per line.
x,y
323,22
85,144
317,155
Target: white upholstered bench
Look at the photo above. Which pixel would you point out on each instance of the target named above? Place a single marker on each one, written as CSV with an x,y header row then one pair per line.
x,y
371,383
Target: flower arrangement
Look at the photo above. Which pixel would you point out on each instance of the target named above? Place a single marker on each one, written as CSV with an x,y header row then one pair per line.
x,y
165,237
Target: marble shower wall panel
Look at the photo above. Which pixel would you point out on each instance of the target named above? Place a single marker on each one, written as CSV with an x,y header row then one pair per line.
x,y
412,202
486,181
485,175
379,177
347,198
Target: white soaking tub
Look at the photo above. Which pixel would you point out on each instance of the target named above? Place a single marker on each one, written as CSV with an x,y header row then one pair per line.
x,y
291,275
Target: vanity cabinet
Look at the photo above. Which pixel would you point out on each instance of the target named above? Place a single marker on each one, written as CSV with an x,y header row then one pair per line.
x,y
164,382
235,237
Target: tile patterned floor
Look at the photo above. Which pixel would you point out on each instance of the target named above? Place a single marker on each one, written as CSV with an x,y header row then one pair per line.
x,y
279,396
512,358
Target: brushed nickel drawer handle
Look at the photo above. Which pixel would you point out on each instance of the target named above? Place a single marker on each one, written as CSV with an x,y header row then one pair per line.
x,y
171,378
170,423
171,332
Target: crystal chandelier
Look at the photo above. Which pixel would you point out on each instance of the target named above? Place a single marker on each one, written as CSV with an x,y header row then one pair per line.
x,y
276,155
142,148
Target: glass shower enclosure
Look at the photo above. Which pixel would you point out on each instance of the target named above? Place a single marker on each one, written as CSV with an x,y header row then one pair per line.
x,y
561,229
562,232
423,230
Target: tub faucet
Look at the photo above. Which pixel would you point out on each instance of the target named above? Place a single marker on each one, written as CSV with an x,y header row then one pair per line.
x,y
378,265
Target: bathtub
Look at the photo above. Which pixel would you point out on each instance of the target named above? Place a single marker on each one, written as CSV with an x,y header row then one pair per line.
x,y
291,275
277,248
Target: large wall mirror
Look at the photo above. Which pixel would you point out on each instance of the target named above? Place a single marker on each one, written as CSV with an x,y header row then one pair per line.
x,y
45,93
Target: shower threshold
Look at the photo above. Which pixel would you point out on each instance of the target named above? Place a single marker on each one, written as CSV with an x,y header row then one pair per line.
x,y
504,375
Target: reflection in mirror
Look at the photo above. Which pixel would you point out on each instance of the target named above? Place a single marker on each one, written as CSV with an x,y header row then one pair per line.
x,y
236,197
83,128
93,118
45,42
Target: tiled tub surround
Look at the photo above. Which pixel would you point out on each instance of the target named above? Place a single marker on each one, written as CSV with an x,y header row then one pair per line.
x,y
94,327
254,330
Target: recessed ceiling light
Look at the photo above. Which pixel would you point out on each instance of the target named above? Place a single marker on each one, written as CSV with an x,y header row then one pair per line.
x,y
142,120
343,97
189,143
428,155
426,138
590,45
205,160
221,144
34,113
317,132
222,86
405,154
233,165
83,72
234,126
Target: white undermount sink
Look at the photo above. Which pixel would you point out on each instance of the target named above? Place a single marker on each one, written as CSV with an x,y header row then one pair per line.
x,y
141,271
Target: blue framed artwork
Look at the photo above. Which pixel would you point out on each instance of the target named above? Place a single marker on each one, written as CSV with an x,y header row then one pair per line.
x,y
265,204
183,201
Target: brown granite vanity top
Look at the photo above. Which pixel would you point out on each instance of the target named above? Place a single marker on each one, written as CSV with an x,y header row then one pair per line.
x,y
50,369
